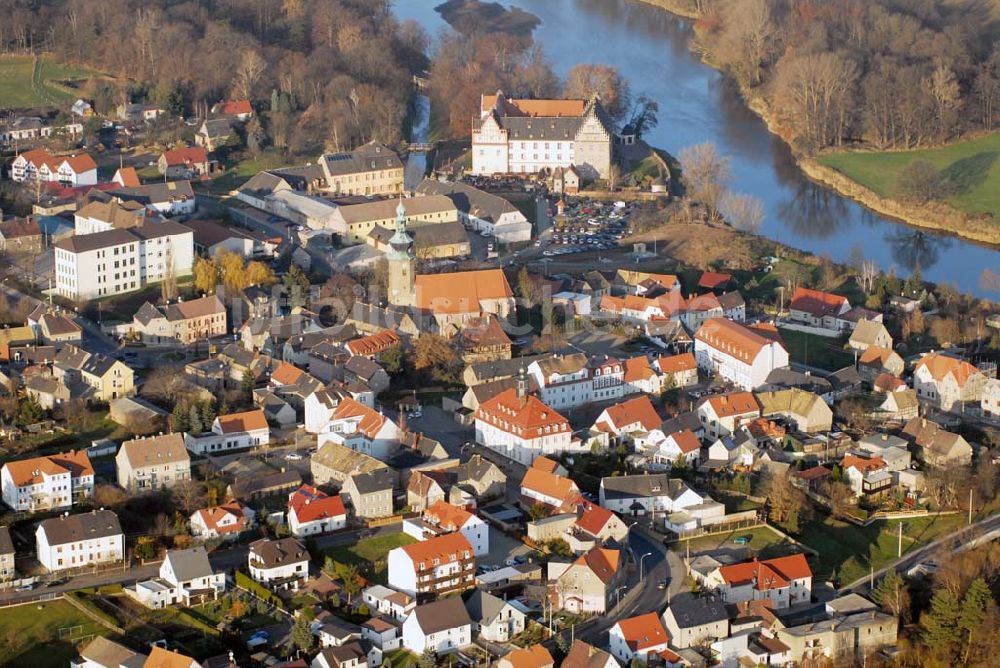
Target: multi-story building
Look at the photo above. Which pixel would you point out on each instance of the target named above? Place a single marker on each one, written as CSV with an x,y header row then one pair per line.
x,y
481,211
742,355
7,570
50,482
514,136
186,577
786,581
816,308
519,426
181,322
436,566
722,415
236,431
354,222
372,169
122,260
361,428
567,381
154,462
442,518
370,494
98,216
650,493
947,382
39,164
443,626
279,564
587,585
311,512
991,399
74,541
636,638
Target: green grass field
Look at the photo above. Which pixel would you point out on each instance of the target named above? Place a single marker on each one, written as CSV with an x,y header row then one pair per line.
x,y
43,634
370,554
763,542
21,86
848,552
973,166
818,351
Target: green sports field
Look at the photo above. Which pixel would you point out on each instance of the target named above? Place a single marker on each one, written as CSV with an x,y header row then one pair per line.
x,y
973,166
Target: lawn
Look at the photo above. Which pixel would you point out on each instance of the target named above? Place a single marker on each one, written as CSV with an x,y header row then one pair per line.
x,y
21,86
972,166
241,172
818,351
763,542
43,634
848,552
402,658
370,554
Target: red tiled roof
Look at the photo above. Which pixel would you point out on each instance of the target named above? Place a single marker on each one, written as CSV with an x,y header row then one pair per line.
x,y
286,374
30,471
712,280
236,107
447,516
817,303
770,574
211,517
551,485
80,163
245,421
526,416
601,561
448,547
643,632
373,344
814,473
594,518
639,409
190,155
637,368
676,363
732,338
545,464
734,403
863,464
460,292
371,421
535,656
686,441
311,504
129,177
941,365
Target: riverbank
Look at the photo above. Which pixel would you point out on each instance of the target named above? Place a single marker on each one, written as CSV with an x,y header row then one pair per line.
x,y
936,216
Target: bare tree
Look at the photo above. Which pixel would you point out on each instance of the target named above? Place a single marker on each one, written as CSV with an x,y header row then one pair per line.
x,y
585,81
744,212
705,173
248,73
818,88
748,38
867,275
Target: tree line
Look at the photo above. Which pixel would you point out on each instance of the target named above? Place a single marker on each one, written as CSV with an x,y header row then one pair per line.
x,y
334,73
891,73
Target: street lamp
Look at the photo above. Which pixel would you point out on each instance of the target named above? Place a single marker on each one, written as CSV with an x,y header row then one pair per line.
x,y
640,564
618,594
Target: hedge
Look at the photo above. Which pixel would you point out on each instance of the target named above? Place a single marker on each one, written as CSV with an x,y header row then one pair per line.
x,y
244,581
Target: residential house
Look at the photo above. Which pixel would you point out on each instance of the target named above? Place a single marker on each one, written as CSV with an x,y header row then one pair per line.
x,y
483,339
990,402
40,165
901,404
103,653
139,112
786,581
282,563
373,345
7,570
215,133
225,521
678,371
691,620
807,411
742,355
866,476
583,655
443,517
847,628
383,635
436,566
600,524
521,427
442,626
388,602
100,216
875,361
311,512
372,169
938,447
816,308
587,584
49,482
56,328
21,235
637,415
182,322
637,495
361,428
153,462
533,656
348,655
236,431
493,618
241,110
333,463
676,446
186,578
868,333
425,488
172,198
361,370
75,541
638,638
370,494
556,493
481,477
947,382
733,306
184,163
723,414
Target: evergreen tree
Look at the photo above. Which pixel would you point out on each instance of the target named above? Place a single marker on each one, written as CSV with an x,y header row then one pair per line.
x,y
302,635
248,384
428,659
207,411
179,419
940,624
392,359
194,420
892,594
975,606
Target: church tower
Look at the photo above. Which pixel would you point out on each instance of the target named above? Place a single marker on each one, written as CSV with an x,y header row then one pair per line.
x,y
401,264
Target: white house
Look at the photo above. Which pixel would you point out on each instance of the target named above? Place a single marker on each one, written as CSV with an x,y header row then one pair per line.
x,y
186,577
567,381
742,355
519,426
435,566
723,414
786,581
637,495
122,260
494,618
638,637
73,170
394,604
154,462
443,626
682,444
691,620
991,399
224,521
236,431
49,482
443,517
816,308
312,512
75,541
361,428
279,564
481,211
946,382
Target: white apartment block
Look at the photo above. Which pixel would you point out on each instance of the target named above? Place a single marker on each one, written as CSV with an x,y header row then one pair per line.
x,y
991,399
739,354
75,541
568,381
122,260
47,483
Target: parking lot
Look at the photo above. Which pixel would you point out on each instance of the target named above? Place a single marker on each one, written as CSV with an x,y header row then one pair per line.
x,y
503,548
587,225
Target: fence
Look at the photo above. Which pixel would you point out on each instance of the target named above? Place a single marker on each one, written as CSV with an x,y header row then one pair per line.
x,y
93,614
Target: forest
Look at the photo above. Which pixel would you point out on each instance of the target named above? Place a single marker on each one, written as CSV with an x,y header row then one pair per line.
x,y
331,73
889,73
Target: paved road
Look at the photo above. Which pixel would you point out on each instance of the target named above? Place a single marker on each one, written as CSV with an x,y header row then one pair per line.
x,y
958,541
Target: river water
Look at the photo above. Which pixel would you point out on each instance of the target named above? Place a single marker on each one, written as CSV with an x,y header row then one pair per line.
x,y
650,47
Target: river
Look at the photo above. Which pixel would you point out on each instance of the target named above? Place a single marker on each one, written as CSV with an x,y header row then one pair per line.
x,y
650,47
